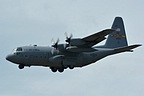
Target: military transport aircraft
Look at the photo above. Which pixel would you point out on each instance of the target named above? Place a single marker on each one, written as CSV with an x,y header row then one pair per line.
x,y
76,52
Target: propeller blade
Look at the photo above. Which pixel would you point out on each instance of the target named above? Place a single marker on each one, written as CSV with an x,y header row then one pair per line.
x,y
66,35
52,41
71,35
57,41
68,38
55,44
52,51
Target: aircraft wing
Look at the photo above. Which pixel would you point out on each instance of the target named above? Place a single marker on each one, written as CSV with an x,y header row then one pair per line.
x,y
97,37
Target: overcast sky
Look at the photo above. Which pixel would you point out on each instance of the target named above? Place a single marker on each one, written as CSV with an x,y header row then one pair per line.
x,y
25,22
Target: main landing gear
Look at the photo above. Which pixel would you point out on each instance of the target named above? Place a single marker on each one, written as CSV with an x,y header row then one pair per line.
x,y
54,69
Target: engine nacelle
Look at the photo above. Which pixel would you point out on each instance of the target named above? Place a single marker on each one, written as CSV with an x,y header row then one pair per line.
x,y
62,47
77,42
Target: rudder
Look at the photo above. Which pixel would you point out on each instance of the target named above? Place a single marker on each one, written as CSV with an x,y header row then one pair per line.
x,y
118,37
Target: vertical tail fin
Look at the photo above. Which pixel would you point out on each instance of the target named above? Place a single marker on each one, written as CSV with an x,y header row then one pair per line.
x,y
118,37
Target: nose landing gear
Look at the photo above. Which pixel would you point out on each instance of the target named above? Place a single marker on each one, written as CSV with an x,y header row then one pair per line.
x,y
21,66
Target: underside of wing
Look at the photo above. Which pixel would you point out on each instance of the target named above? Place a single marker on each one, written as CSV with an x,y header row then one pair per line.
x,y
96,38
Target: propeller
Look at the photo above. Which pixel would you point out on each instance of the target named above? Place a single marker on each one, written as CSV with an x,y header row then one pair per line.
x,y
68,38
55,44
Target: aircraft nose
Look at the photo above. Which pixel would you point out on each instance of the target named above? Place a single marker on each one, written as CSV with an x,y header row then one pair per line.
x,y
9,57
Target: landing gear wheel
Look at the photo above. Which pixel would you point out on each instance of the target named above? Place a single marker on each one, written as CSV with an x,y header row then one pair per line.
x,y
53,69
65,67
71,67
21,66
61,69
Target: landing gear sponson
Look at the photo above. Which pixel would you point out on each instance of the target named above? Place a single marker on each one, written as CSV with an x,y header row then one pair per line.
x,y
53,69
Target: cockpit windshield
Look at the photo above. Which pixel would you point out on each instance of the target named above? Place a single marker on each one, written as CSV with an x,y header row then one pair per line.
x,y
19,49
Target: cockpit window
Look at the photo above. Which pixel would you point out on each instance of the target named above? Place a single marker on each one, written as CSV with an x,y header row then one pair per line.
x,y
19,49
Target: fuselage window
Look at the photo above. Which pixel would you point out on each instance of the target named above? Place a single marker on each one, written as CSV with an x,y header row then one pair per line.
x,y
17,53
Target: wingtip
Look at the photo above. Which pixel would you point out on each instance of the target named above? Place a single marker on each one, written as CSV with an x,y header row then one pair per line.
x,y
139,45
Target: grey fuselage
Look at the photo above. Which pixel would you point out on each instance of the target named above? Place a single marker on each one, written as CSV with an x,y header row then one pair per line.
x,y
44,56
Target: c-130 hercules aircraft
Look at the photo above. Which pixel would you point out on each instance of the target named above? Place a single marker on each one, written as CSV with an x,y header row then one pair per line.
x,y
76,52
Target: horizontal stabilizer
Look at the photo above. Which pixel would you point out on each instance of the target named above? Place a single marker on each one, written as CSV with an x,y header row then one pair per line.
x,y
127,48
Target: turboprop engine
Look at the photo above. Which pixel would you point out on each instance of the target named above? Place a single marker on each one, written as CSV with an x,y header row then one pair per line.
x,y
76,42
